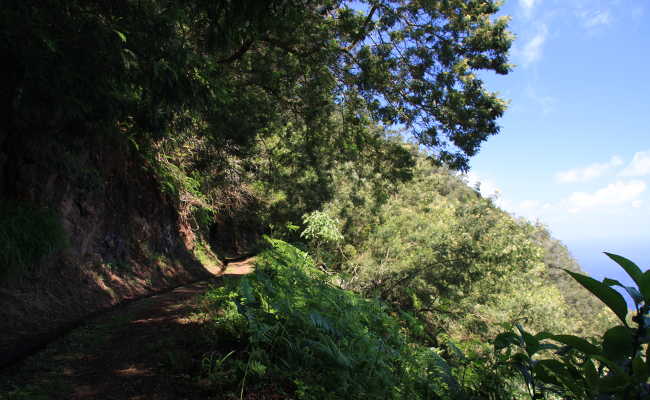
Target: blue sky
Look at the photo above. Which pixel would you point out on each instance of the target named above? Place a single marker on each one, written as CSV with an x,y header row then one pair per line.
x,y
574,149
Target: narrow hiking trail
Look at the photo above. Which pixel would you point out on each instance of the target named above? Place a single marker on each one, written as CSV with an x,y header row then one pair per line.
x,y
144,350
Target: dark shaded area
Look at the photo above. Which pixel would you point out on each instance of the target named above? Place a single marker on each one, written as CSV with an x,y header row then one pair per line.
x,y
152,348
36,343
124,236
132,352
237,236
27,348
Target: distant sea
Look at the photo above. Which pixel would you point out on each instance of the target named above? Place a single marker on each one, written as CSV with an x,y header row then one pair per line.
x,y
589,255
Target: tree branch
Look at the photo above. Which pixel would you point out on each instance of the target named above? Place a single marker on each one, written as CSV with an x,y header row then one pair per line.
x,y
363,28
239,53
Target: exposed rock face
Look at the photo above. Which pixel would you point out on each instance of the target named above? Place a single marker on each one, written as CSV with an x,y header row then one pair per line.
x,y
125,237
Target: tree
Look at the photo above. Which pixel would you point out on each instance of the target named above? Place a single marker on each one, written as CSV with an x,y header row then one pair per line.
x,y
414,63
233,69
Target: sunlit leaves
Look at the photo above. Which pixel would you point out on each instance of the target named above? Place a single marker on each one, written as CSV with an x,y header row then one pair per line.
x,y
420,58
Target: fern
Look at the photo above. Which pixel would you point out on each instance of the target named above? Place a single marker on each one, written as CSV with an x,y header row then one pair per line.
x,y
322,341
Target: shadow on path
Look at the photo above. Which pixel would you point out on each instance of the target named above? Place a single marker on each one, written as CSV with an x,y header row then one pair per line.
x,y
146,350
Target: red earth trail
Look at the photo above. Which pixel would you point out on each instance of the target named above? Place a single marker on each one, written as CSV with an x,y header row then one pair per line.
x,y
141,351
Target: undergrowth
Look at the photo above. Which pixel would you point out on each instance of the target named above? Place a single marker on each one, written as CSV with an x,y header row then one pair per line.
x,y
27,234
287,327
204,253
194,205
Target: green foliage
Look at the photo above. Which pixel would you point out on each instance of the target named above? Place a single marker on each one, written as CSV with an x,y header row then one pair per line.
x,y
293,328
204,183
605,293
321,228
580,303
235,71
138,65
409,55
276,111
204,254
323,235
297,172
437,249
25,393
27,234
187,190
222,304
616,366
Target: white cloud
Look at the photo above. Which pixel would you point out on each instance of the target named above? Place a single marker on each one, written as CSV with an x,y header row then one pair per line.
x,y
533,209
589,172
532,50
486,186
546,103
528,5
529,204
639,166
595,18
488,189
618,193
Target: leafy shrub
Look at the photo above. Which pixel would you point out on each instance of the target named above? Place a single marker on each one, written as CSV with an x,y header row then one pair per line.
x,y
318,341
193,204
322,232
27,234
616,366
320,227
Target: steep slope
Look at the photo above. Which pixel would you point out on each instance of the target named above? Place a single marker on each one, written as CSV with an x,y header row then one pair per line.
x,y
124,236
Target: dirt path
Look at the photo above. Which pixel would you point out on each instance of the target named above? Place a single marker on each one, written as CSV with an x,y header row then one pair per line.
x,y
146,350
240,267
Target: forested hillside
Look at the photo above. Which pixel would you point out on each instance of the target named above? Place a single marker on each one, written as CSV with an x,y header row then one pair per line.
x,y
143,142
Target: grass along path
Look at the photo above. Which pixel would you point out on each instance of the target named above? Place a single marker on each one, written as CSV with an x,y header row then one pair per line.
x,y
150,349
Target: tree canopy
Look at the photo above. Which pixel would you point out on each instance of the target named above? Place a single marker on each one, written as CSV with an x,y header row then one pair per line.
x,y
235,69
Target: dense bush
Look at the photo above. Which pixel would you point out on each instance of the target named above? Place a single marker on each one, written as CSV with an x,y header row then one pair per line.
x,y
436,248
289,328
292,328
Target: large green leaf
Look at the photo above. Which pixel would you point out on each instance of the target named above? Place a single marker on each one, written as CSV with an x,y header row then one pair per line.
x,y
617,343
644,287
558,373
631,268
612,365
544,335
606,294
531,344
640,369
505,339
548,370
613,383
120,35
577,343
590,374
631,290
